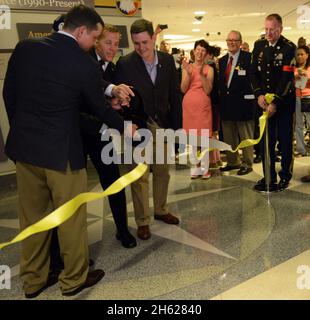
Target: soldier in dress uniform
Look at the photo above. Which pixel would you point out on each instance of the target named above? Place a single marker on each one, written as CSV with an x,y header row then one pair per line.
x,y
273,72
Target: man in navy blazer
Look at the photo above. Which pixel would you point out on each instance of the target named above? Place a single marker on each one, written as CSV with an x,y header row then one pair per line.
x,y
153,75
47,81
237,103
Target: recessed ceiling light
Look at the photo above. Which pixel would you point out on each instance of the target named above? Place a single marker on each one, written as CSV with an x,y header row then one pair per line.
x,y
175,36
195,30
199,12
244,15
197,22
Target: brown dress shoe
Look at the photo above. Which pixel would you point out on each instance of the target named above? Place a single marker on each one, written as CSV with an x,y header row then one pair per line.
x,y
305,178
144,232
167,218
93,277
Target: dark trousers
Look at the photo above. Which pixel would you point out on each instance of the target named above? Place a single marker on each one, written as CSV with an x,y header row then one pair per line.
x,y
108,173
280,128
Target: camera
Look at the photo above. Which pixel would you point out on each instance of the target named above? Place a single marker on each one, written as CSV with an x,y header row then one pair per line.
x,y
163,26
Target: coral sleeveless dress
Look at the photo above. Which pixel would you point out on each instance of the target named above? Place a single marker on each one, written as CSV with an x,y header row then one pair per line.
x,y
197,111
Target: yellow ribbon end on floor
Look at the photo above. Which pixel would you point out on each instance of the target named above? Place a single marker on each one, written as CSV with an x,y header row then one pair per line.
x,y
67,210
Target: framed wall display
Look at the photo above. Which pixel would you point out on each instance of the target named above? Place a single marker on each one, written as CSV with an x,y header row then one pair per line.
x,y
123,43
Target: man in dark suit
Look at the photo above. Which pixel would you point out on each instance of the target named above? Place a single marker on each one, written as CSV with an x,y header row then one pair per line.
x,y
47,81
105,50
154,76
273,72
237,103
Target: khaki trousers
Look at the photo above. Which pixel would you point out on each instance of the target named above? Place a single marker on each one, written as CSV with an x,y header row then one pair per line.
x,y
41,190
140,188
234,132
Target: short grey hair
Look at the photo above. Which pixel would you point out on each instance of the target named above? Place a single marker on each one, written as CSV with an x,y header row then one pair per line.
x,y
238,33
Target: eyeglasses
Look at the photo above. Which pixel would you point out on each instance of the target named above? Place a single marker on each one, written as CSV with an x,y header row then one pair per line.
x,y
232,40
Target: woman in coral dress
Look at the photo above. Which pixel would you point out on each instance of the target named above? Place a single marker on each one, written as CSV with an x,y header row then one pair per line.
x,y
197,79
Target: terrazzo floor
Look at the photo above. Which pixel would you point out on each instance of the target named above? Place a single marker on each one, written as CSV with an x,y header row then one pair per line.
x,y
232,242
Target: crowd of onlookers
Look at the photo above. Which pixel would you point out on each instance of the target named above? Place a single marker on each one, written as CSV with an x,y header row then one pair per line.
x,y
187,61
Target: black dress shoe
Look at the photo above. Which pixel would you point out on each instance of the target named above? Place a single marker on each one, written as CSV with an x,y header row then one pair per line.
x,y
127,239
283,184
228,168
242,171
93,277
262,187
56,269
52,279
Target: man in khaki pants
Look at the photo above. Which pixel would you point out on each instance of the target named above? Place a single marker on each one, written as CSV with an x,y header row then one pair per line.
x,y
43,91
153,75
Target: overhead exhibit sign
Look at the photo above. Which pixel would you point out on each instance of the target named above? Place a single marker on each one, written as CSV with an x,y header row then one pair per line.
x,y
33,30
45,5
38,30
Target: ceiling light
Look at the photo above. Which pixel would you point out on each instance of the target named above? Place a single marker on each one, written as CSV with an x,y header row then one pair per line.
x,y
175,37
199,12
244,15
197,22
195,30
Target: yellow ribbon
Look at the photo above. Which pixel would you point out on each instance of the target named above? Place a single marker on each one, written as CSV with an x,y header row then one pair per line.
x,y
269,97
247,142
251,142
67,210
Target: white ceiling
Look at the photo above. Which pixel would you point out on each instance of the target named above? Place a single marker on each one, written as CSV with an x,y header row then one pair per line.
x,y
222,16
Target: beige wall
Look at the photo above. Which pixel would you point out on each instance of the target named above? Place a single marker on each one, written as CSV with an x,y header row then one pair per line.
x,y
9,38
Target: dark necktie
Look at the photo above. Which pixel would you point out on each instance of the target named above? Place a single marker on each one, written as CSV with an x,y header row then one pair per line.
x,y
228,70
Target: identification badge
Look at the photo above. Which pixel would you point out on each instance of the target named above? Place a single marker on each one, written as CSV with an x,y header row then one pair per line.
x,y
249,97
279,56
241,72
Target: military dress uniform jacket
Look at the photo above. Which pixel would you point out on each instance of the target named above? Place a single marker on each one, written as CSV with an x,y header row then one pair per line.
x,y
273,71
